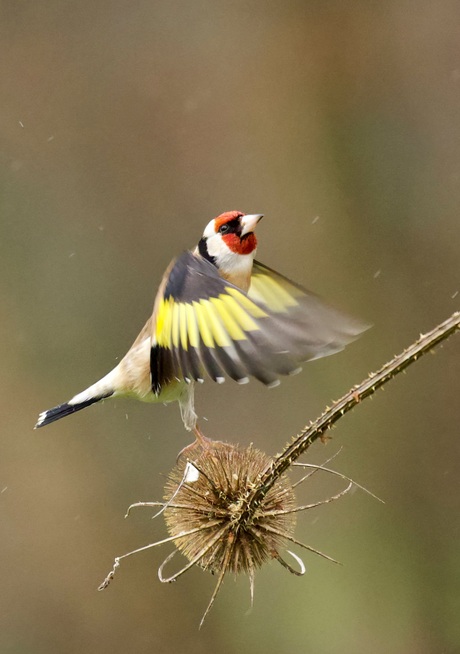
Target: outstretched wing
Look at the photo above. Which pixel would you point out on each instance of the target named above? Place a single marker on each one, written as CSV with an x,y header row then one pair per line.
x,y
205,323
306,325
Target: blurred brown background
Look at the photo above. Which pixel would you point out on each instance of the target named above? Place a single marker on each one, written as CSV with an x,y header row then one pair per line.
x,y
125,127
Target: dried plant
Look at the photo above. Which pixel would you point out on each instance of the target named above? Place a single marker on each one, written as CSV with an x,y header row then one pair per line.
x,y
216,500
231,509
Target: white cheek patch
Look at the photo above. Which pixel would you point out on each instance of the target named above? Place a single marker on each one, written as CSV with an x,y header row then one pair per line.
x,y
210,230
216,246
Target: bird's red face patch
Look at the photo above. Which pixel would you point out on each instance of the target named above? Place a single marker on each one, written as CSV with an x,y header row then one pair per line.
x,y
244,245
226,218
229,225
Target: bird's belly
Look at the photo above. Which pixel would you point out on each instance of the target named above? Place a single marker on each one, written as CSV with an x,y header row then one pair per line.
x,y
172,392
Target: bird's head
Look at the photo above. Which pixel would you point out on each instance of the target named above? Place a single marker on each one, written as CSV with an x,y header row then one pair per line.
x,y
229,241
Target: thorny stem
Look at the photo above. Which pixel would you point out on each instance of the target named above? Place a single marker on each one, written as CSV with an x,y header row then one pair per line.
x,y
316,429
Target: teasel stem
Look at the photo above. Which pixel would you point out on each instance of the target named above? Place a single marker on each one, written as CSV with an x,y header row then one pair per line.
x,y
316,429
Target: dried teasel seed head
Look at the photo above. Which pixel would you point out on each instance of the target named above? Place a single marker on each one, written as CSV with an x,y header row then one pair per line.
x,y
208,493
229,509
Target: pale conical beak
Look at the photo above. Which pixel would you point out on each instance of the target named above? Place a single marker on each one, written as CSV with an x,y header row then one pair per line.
x,y
249,222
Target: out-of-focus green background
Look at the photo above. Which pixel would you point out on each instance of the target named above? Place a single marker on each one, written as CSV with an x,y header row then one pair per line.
x,y
125,127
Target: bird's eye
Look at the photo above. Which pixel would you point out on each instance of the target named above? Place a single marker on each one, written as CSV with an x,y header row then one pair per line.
x,y
223,229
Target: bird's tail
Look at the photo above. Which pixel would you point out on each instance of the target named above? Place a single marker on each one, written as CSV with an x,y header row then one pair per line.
x,y
62,410
101,390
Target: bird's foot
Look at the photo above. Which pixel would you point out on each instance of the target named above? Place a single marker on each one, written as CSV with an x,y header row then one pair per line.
x,y
196,448
201,439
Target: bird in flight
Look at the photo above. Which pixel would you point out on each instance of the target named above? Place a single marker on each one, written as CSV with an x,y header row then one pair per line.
x,y
219,313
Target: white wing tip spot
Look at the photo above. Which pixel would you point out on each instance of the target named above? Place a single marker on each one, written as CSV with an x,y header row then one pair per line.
x,y
273,384
41,418
220,380
296,371
243,380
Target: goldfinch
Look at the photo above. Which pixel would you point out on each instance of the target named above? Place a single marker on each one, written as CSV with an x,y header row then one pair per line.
x,y
219,312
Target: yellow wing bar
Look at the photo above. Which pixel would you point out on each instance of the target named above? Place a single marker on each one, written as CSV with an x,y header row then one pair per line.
x,y
216,322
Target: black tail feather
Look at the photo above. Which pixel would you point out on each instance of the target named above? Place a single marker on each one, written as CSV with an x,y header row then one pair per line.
x,y
58,412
